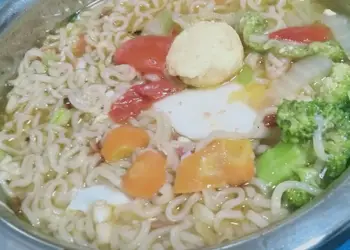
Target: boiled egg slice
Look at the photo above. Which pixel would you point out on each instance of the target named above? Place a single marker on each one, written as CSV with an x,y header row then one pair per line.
x,y
86,197
197,113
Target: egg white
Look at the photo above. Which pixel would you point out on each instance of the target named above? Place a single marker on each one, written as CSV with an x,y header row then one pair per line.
x,y
86,197
197,113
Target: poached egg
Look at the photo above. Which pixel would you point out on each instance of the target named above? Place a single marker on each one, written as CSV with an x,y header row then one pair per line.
x,y
197,113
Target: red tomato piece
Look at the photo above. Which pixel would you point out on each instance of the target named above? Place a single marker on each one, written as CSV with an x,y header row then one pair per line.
x,y
141,97
305,34
129,105
147,54
158,89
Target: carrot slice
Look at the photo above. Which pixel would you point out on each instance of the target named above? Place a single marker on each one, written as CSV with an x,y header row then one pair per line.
x,y
220,163
121,142
146,176
79,48
239,168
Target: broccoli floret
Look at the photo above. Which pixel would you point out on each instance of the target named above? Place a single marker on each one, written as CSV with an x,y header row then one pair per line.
x,y
279,163
336,87
253,23
308,175
337,147
291,51
296,198
296,120
330,49
298,123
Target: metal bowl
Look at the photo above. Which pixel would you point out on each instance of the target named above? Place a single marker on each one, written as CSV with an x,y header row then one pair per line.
x,y
23,24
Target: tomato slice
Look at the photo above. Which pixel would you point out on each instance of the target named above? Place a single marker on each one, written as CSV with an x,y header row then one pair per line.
x,y
141,97
158,89
129,105
305,34
147,54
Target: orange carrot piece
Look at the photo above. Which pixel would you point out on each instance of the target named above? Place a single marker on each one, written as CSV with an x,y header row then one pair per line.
x,y
239,168
220,163
121,142
79,48
146,176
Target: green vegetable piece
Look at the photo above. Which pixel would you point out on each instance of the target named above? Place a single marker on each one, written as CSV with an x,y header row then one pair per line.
x,y
160,25
330,49
253,23
308,175
296,198
245,76
278,163
2,155
291,51
297,121
336,88
337,146
61,117
50,56
72,18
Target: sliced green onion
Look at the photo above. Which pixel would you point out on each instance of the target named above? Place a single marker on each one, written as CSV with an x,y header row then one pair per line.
x,y
61,117
50,56
2,155
161,24
246,75
72,18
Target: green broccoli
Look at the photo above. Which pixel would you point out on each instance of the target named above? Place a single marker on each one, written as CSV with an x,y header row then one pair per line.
x,y
290,50
298,123
296,198
279,163
296,120
330,49
337,147
253,23
335,88
308,175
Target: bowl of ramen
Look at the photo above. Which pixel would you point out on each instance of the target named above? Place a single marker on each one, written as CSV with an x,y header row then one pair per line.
x,y
156,124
